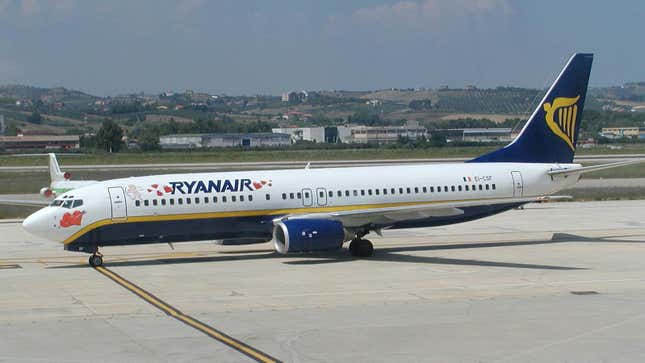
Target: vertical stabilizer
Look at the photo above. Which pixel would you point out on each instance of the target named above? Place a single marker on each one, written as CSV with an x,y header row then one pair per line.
x,y
55,174
551,133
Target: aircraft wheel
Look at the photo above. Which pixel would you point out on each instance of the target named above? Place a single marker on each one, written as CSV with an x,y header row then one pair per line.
x,y
96,260
361,248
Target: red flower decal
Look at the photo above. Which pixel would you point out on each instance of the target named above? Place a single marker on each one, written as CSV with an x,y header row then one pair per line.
x,y
167,189
257,185
71,219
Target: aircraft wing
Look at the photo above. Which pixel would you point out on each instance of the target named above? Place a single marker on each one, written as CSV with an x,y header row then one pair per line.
x,y
28,200
387,215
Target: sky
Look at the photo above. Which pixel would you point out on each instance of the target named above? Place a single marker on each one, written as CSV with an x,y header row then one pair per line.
x,y
268,47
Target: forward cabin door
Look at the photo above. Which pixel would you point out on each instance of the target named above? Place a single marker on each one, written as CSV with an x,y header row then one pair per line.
x,y
307,197
321,196
117,202
518,184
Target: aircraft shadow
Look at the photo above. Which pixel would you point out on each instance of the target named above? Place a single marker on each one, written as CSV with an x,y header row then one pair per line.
x,y
388,254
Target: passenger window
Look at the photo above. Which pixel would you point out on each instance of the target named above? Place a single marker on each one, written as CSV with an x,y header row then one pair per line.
x,y
384,191
331,194
205,200
224,199
493,186
487,186
250,198
137,203
241,198
172,201
284,196
321,194
480,187
146,203
356,193
196,200
267,196
445,189
369,191
347,193
291,196
180,201
431,189
466,187
416,189
452,188
214,199
392,191
163,202
362,192
187,200
377,191
400,190
425,189
233,198
459,187
154,202
408,190
307,195
339,193
77,203
299,195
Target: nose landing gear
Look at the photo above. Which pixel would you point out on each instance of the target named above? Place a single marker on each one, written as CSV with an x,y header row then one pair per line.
x,y
96,259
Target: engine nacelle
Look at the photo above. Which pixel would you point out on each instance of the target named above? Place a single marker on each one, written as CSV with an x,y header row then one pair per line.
x,y
305,235
46,192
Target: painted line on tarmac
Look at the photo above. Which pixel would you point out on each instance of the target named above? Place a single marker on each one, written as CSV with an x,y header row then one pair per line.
x,y
241,347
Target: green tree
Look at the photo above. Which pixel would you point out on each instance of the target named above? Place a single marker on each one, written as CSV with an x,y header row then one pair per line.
x,y
11,130
149,139
35,118
109,137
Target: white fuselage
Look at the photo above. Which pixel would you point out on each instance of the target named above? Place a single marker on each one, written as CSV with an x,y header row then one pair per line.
x,y
260,196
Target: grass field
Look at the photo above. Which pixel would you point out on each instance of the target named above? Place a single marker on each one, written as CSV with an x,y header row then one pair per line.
x,y
228,155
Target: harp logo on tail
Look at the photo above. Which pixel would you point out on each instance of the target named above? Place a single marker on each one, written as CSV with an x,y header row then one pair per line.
x,y
561,117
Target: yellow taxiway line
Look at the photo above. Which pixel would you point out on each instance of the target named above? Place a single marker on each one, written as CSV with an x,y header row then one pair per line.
x,y
188,320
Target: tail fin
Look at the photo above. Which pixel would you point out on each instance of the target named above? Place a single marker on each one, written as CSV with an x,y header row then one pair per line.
x,y
55,173
551,132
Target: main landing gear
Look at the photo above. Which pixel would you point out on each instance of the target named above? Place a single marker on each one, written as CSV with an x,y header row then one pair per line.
x,y
96,259
360,247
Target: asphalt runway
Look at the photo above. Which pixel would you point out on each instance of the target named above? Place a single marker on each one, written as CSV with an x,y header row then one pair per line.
x,y
554,282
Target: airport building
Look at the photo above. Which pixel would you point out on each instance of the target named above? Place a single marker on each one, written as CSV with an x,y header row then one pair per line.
x,y
40,142
387,134
493,134
195,141
623,132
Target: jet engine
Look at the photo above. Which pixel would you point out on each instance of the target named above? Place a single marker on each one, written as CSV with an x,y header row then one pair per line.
x,y
46,192
305,235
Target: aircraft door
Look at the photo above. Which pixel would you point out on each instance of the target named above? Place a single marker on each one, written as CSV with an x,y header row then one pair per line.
x,y
117,202
307,197
321,196
518,184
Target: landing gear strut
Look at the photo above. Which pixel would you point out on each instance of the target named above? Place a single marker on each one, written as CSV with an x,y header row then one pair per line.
x,y
361,248
96,259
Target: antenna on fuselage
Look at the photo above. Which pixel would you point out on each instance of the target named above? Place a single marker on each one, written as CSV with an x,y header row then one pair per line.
x,y
308,165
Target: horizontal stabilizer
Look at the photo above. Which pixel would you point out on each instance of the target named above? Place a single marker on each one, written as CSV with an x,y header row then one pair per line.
x,y
588,169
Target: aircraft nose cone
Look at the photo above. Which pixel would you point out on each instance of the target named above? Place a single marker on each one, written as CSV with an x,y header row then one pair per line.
x,y
36,223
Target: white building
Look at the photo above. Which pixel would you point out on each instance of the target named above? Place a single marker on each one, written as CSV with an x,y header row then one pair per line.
x,y
194,141
316,134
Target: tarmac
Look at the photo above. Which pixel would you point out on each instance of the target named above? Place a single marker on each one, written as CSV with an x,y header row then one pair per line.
x,y
554,282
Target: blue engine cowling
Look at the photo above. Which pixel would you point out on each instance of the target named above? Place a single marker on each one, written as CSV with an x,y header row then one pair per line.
x,y
304,235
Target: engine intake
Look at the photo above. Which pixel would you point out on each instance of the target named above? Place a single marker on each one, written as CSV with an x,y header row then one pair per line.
x,y
305,235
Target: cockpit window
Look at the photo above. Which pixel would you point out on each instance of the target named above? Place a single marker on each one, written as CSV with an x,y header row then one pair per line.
x,y
68,204
56,203
77,203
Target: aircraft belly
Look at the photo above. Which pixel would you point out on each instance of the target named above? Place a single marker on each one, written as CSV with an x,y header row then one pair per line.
x,y
469,214
133,233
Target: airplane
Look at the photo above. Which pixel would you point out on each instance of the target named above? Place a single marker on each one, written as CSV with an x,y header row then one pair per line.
x,y
60,182
321,209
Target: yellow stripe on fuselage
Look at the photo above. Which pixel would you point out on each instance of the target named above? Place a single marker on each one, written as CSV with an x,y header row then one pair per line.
x,y
253,213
